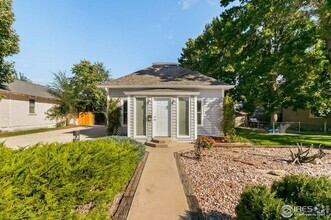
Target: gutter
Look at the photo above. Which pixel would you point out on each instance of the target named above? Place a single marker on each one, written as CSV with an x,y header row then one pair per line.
x,y
225,87
22,94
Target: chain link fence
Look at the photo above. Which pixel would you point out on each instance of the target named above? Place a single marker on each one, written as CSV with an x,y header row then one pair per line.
x,y
291,127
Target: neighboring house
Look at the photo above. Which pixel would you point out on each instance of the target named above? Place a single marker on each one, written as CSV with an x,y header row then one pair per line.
x,y
166,100
241,119
23,106
308,120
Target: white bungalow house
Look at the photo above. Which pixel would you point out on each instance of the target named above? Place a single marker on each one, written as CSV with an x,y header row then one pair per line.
x,y
166,100
23,106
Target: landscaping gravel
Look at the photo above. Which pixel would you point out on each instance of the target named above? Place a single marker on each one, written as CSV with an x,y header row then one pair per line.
x,y
219,178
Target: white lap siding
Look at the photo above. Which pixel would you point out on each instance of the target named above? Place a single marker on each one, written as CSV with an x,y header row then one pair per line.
x,y
192,117
173,126
149,106
15,116
212,112
131,117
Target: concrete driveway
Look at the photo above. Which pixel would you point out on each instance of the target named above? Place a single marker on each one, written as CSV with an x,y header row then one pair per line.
x,y
64,135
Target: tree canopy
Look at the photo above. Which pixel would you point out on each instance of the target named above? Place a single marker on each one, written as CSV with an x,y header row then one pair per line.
x,y
9,41
62,90
85,80
277,53
20,76
79,93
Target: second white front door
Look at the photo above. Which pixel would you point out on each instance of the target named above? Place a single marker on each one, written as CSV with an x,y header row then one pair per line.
x,y
161,117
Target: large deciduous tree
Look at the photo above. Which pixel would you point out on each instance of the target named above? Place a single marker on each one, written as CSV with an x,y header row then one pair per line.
x,y
63,91
278,53
79,93
8,41
85,80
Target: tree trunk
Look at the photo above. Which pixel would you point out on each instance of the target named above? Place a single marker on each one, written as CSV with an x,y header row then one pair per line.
x,y
274,116
328,43
325,21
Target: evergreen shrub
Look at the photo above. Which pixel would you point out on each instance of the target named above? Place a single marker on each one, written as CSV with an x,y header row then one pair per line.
x,y
260,202
52,181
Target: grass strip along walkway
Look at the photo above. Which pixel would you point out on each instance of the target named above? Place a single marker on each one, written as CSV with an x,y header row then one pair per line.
x,y
17,133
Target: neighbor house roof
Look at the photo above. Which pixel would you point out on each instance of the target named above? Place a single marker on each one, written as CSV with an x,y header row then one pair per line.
x,y
26,88
166,76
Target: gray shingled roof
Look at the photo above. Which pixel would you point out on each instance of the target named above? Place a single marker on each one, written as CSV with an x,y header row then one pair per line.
x,y
167,75
26,88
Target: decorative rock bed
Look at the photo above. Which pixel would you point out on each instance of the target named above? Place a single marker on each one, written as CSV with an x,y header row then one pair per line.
x,y
219,178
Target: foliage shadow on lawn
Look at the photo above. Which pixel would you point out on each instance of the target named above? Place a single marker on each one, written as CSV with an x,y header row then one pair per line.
x,y
262,138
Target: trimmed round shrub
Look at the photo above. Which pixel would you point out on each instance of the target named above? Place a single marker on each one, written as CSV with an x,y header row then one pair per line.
x,y
259,203
303,190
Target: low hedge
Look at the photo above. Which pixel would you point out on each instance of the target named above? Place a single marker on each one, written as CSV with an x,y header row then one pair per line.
x,y
121,139
260,202
53,181
303,190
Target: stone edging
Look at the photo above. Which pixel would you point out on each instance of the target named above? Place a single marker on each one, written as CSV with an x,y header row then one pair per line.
x,y
233,145
264,146
127,198
192,201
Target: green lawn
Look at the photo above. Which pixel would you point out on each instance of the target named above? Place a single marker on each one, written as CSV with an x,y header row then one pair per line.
x,y
16,133
267,139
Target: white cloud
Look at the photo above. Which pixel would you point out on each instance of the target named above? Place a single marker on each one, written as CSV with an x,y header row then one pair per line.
x,y
170,37
186,4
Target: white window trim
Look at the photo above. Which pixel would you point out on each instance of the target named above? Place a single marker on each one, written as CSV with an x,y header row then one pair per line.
x,y
189,117
128,129
134,118
122,112
34,107
202,112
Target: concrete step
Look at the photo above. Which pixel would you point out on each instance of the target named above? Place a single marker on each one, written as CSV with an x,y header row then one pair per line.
x,y
163,140
157,145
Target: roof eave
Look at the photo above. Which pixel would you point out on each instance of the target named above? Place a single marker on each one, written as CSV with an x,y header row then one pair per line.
x,y
27,95
225,87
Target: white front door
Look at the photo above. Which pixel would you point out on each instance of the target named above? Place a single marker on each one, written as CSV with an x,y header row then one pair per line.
x,y
161,117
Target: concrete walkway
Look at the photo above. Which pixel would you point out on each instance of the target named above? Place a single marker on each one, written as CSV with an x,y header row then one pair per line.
x,y
160,193
63,135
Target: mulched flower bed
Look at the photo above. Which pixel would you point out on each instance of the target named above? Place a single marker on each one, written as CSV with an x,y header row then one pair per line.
x,y
219,178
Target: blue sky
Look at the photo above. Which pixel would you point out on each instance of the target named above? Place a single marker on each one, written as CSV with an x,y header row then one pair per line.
x,y
125,35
